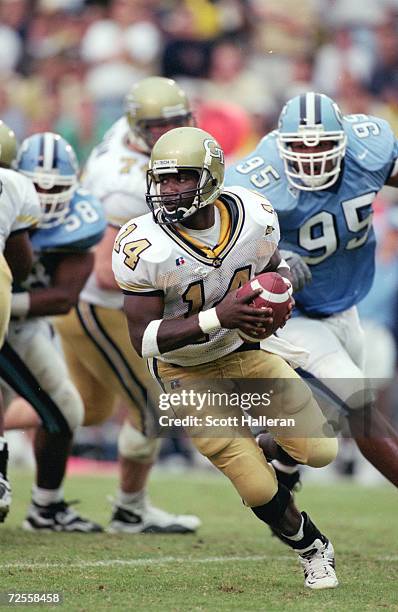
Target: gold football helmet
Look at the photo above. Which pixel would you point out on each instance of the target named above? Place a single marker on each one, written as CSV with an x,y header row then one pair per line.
x,y
157,103
186,148
8,145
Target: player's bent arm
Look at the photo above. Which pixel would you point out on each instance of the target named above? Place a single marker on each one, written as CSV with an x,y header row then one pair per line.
x,y
103,260
19,255
67,282
151,335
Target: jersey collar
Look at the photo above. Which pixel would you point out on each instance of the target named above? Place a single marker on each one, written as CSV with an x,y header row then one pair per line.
x,y
231,217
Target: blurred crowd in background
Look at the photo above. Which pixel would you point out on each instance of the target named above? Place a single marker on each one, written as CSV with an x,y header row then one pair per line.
x,y
66,66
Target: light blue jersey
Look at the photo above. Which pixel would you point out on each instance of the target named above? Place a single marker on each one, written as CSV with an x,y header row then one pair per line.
x,y
331,228
83,227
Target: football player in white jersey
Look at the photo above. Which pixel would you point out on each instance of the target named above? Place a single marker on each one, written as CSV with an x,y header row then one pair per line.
x,y
102,363
179,269
31,363
19,212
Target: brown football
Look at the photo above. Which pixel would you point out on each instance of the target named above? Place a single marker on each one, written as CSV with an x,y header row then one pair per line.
x,y
276,294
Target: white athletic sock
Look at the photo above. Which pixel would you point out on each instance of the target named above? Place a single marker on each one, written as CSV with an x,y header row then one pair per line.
x,y
45,497
297,536
288,469
127,499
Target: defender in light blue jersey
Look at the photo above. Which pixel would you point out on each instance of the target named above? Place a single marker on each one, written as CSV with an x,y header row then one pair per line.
x,y
321,171
30,361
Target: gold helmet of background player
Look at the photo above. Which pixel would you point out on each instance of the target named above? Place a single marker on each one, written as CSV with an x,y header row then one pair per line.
x,y
8,145
155,102
186,148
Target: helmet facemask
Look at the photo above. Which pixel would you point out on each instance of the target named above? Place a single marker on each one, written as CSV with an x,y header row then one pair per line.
x,y
55,195
50,163
186,203
312,171
315,121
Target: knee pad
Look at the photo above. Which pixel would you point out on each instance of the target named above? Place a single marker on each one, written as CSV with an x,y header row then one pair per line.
x,y
315,452
321,451
244,464
272,512
132,444
54,389
70,404
54,397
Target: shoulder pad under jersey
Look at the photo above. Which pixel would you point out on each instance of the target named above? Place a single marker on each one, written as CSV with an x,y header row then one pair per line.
x,y
158,244
262,171
140,249
257,207
371,142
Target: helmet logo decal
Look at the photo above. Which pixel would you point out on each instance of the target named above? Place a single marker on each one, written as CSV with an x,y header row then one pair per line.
x,y
338,113
132,105
283,113
213,150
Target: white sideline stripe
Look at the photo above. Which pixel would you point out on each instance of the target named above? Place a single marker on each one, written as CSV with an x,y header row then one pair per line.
x,y
148,561
165,561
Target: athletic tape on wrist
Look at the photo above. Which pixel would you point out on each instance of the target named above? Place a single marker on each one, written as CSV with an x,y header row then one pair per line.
x,y
149,345
283,264
209,321
20,304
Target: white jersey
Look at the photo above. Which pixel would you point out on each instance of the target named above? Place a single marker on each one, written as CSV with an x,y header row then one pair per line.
x,y
19,204
159,258
115,174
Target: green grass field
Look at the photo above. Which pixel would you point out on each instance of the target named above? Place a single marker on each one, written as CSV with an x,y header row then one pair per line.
x,y
231,564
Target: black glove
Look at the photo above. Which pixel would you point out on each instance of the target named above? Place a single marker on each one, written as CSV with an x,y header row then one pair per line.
x,y
301,274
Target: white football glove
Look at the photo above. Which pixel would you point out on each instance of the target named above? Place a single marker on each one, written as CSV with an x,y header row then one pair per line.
x,y
300,272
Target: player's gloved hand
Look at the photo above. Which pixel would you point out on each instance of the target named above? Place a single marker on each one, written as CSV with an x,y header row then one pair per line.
x,y
235,313
300,272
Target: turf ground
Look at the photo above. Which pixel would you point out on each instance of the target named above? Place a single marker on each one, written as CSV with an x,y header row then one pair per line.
x,y
231,564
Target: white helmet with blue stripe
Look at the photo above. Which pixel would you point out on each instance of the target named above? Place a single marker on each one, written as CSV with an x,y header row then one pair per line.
x,y
311,120
50,162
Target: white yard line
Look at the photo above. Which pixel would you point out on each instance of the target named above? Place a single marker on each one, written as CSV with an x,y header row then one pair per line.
x,y
146,561
162,561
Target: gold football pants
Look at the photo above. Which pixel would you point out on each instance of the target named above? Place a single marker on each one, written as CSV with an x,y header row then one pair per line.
x,y
5,297
233,449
